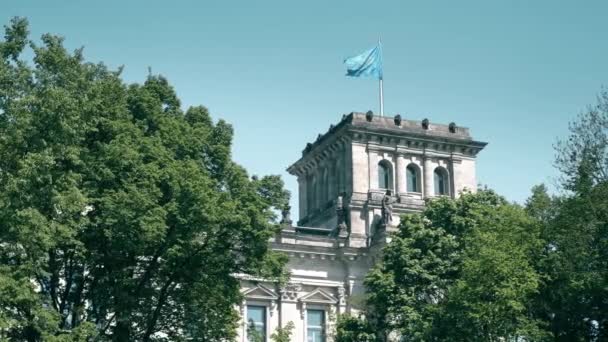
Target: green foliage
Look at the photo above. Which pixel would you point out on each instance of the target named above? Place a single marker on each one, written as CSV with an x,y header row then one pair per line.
x,y
575,262
354,329
582,158
574,294
283,334
458,271
121,217
253,335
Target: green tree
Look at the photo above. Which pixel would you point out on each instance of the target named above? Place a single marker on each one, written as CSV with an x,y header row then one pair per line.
x,y
121,216
253,335
458,271
283,334
582,158
574,295
354,329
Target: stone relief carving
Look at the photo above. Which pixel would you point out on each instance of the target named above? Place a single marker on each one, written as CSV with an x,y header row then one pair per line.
x,y
290,291
342,295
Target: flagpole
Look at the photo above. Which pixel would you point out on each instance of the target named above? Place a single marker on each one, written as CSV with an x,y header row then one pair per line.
x,y
381,99
381,77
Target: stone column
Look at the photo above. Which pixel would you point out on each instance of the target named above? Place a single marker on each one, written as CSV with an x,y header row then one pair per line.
x,y
452,178
340,174
332,180
303,210
429,183
401,186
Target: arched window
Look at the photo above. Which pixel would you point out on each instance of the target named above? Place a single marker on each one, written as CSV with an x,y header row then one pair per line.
x,y
385,175
412,176
441,182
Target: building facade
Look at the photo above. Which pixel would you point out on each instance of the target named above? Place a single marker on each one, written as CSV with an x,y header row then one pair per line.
x,y
354,182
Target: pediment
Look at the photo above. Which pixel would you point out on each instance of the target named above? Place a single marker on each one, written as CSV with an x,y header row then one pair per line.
x,y
260,292
318,296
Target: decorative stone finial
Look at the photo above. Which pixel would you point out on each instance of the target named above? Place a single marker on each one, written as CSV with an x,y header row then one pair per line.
x,y
452,127
425,123
398,120
369,115
308,147
286,215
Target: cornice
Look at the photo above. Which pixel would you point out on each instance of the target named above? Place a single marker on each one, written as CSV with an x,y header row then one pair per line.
x,y
379,133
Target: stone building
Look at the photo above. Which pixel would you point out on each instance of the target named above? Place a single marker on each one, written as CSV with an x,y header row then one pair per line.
x,y
354,183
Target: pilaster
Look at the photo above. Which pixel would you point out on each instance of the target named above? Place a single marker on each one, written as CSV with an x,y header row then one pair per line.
x,y
428,177
400,175
302,200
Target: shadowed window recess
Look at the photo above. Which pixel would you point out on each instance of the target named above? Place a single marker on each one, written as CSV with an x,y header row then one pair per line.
x,y
441,182
385,175
412,175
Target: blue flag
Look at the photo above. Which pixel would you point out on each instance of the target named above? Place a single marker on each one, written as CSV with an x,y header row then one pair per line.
x,y
367,64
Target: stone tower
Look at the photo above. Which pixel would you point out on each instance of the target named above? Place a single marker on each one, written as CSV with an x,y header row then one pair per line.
x,y
358,160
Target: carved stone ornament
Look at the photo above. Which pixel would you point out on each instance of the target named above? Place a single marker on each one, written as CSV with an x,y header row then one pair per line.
x,y
342,230
398,120
425,123
387,209
290,291
286,215
369,115
342,295
308,147
452,127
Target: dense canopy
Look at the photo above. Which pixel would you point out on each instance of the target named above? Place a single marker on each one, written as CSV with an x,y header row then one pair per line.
x,y
121,215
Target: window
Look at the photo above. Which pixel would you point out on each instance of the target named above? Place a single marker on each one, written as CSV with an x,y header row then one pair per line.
x,y
315,325
411,175
385,175
256,323
441,182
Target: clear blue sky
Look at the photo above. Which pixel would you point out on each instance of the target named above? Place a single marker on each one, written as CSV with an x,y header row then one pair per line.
x,y
515,72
